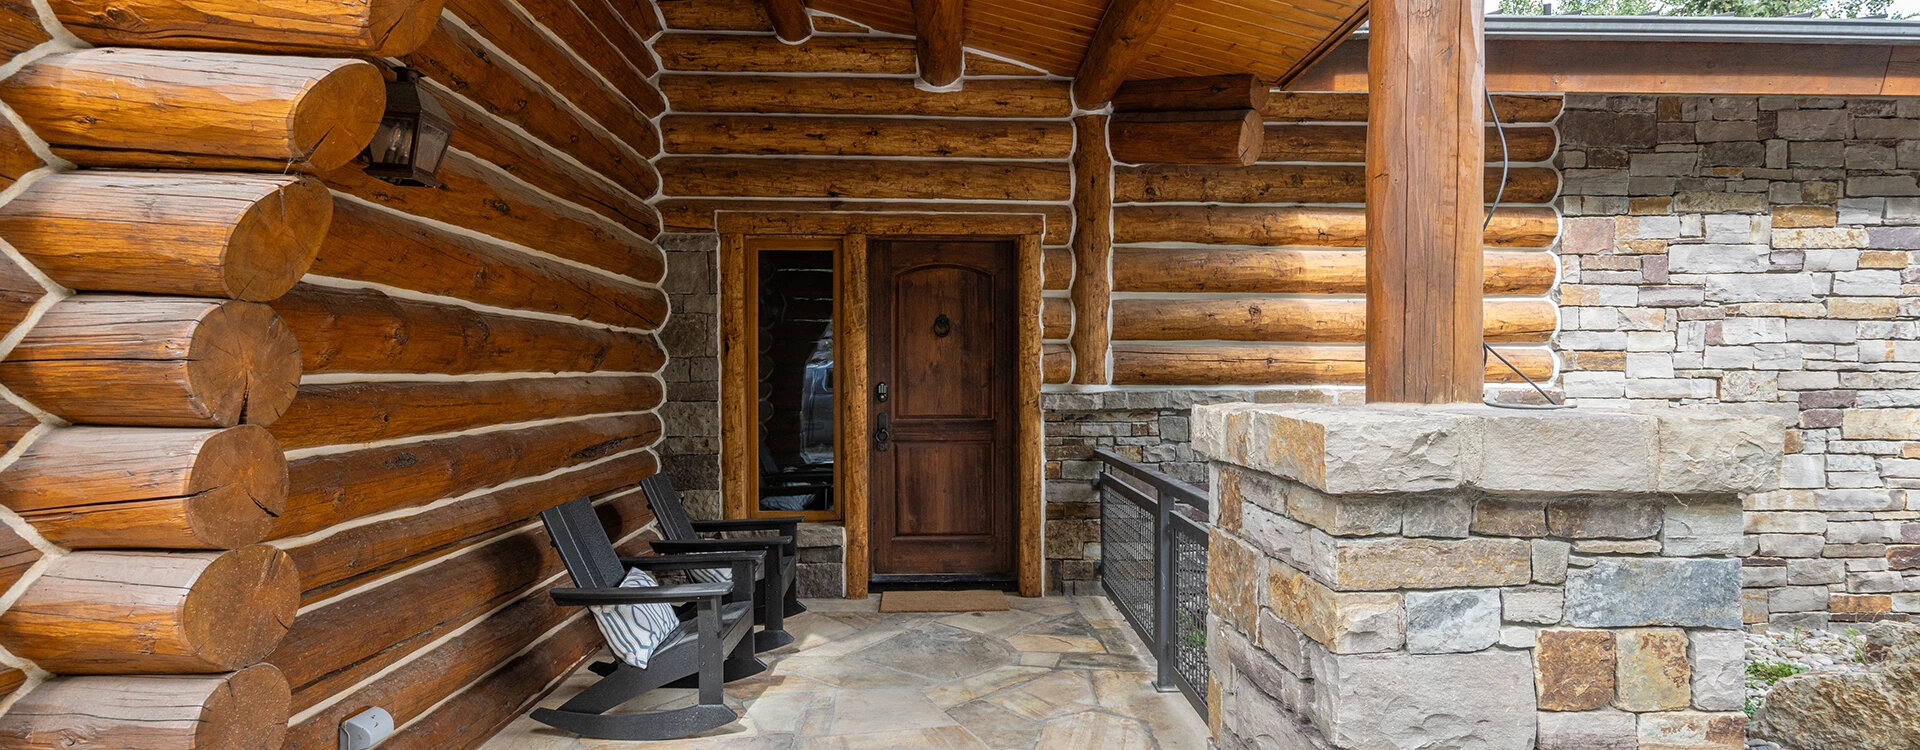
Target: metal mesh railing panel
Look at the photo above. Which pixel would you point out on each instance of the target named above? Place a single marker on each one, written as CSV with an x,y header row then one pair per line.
x,y
1126,558
1189,589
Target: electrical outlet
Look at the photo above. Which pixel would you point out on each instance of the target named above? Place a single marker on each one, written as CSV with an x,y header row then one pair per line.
x,y
366,729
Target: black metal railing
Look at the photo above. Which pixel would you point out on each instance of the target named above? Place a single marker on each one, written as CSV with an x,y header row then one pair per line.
x,y
1153,565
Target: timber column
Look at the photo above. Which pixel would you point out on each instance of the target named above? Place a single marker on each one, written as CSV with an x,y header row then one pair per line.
x,y
1425,174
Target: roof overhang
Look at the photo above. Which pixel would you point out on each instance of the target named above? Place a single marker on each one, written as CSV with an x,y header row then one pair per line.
x,y
1665,55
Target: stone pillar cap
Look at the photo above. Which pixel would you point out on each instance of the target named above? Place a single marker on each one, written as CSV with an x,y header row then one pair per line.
x,y
1398,448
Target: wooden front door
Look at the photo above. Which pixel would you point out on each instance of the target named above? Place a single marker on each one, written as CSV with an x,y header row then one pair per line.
x,y
942,397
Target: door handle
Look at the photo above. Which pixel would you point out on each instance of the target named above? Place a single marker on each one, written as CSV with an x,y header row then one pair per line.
x,y
882,436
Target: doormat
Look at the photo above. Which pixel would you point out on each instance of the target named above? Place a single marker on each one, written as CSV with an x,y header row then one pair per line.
x,y
943,601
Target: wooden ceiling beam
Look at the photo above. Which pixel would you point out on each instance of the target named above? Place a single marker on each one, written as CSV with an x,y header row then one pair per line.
x,y
790,20
939,28
1119,42
1631,67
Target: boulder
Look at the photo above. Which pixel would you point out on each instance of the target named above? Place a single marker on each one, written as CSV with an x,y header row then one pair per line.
x,y
1878,709
1893,643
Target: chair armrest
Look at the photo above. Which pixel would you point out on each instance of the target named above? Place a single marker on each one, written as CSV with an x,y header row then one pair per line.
x,y
689,562
688,592
783,524
723,545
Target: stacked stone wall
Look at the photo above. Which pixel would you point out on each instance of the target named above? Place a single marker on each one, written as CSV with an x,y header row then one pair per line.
x,y
1387,578
1759,251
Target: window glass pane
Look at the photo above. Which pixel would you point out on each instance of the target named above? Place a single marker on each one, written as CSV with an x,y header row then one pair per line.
x,y
796,380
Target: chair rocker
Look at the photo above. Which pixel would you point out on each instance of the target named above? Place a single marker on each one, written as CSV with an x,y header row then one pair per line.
x,y
705,651
777,597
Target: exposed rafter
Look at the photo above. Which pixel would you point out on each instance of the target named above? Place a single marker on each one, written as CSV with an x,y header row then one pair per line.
x,y
939,30
790,20
1120,41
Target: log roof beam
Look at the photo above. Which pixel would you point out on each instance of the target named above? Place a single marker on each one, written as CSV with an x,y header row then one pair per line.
x,y
790,20
1119,42
939,33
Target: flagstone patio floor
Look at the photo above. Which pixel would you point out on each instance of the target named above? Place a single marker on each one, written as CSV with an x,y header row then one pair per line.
x,y
1056,673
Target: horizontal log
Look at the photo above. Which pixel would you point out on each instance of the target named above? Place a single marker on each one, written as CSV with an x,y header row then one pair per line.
x,y
335,646
591,30
1327,226
1348,143
519,37
829,55
1230,137
335,487
738,15
485,201
1296,106
361,330
931,179
866,136
1301,319
20,29
1056,317
1056,267
994,97
16,157
373,245
154,612
696,214
16,556
239,236
1277,364
541,165
1232,270
375,28
243,710
381,548
137,488
486,706
19,292
119,107
454,59
1229,91
335,413
1056,363
156,361
1296,183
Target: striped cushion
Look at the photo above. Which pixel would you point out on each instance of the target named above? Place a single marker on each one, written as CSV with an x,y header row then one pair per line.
x,y
633,631
723,574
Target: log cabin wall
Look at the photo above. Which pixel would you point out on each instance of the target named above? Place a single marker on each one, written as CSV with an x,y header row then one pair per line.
x,y
275,432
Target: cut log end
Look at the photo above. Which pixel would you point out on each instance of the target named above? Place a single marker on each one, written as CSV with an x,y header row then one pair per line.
x,y
244,710
241,606
245,364
408,23
276,240
337,115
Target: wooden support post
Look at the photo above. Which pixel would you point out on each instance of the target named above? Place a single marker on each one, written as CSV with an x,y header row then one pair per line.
x,y
1425,173
1119,42
939,30
851,481
1092,290
790,20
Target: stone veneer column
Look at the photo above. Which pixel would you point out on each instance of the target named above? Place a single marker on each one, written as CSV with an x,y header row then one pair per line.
x,y
1390,577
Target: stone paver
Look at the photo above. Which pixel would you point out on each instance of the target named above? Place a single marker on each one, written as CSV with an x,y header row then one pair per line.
x,y
1051,674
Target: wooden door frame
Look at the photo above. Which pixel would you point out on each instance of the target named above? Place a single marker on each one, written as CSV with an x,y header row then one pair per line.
x,y
741,229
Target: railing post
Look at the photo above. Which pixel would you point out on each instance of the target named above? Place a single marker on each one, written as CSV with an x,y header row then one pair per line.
x,y
1163,600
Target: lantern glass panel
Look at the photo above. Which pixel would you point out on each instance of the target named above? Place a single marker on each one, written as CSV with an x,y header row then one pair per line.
x,y
393,143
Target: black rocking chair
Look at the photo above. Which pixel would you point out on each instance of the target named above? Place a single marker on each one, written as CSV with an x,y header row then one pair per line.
x,y
777,597
705,651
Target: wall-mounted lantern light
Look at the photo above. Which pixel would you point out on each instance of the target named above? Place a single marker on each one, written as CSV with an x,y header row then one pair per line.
x,y
413,134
